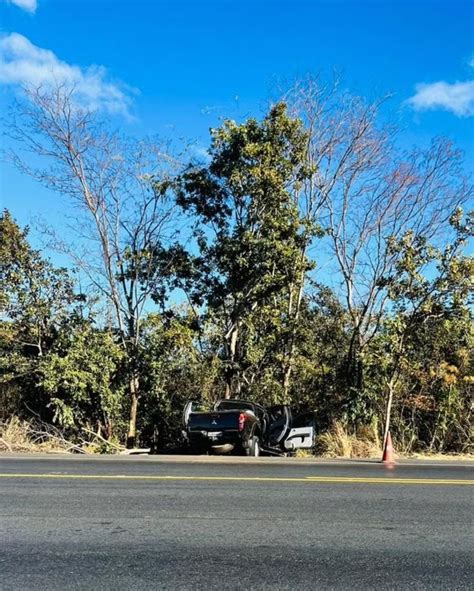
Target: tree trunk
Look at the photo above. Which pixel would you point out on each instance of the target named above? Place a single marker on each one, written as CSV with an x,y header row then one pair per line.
x,y
287,379
288,357
134,385
354,365
294,315
388,412
233,385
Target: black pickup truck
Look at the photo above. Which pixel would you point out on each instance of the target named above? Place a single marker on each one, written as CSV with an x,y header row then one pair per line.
x,y
238,426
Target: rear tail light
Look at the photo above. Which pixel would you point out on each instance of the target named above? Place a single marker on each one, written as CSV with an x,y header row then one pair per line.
x,y
242,418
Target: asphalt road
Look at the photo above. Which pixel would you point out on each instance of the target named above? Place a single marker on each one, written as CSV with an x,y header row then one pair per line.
x,y
191,523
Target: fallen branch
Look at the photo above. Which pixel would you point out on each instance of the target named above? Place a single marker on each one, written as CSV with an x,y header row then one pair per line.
x,y
106,441
6,444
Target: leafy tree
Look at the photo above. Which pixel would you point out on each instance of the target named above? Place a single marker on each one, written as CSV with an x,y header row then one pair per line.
x,y
250,234
58,364
81,376
33,293
421,295
36,300
433,401
122,224
319,366
366,193
179,364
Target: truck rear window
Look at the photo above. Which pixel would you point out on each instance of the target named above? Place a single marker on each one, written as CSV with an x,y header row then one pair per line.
x,y
231,405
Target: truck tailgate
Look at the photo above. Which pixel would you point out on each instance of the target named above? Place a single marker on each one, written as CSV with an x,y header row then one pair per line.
x,y
224,420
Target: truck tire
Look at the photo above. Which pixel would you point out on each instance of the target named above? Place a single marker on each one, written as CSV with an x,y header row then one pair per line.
x,y
253,450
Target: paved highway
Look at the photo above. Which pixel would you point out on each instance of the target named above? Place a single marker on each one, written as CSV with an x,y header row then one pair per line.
x,y
207,523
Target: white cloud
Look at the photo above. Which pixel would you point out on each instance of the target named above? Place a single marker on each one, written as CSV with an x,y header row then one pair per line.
x,y
25,64
457,97
28,5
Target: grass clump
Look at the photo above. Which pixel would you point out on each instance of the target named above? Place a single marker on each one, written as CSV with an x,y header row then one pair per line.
x,y
339,442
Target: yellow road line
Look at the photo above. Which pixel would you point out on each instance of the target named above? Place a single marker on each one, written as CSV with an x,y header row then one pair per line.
x,y
307,479
394,480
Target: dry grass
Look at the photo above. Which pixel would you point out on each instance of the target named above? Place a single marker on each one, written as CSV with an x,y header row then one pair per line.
x,y
18,435
304,453
366,443
13,436
339,443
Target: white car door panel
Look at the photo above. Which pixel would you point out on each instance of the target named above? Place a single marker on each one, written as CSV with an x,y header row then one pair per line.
x,y
299,438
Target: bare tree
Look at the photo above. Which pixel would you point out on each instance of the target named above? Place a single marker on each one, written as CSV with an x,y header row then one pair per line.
x,y
123,223
366,193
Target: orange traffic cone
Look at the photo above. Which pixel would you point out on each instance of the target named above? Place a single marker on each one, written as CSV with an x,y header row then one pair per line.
x,y
387,457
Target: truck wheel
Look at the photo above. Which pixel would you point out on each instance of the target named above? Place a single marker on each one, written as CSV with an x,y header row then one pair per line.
x,y
253,449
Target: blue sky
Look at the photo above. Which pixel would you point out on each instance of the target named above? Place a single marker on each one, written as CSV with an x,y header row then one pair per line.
x,y
175,67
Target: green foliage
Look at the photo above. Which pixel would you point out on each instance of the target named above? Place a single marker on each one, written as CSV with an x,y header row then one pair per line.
x,y
34,296
422,349
53,361
36,302
249,232
80,377
178,365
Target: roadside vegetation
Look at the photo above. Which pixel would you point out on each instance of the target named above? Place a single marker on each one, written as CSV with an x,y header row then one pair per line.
x,y
307,260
